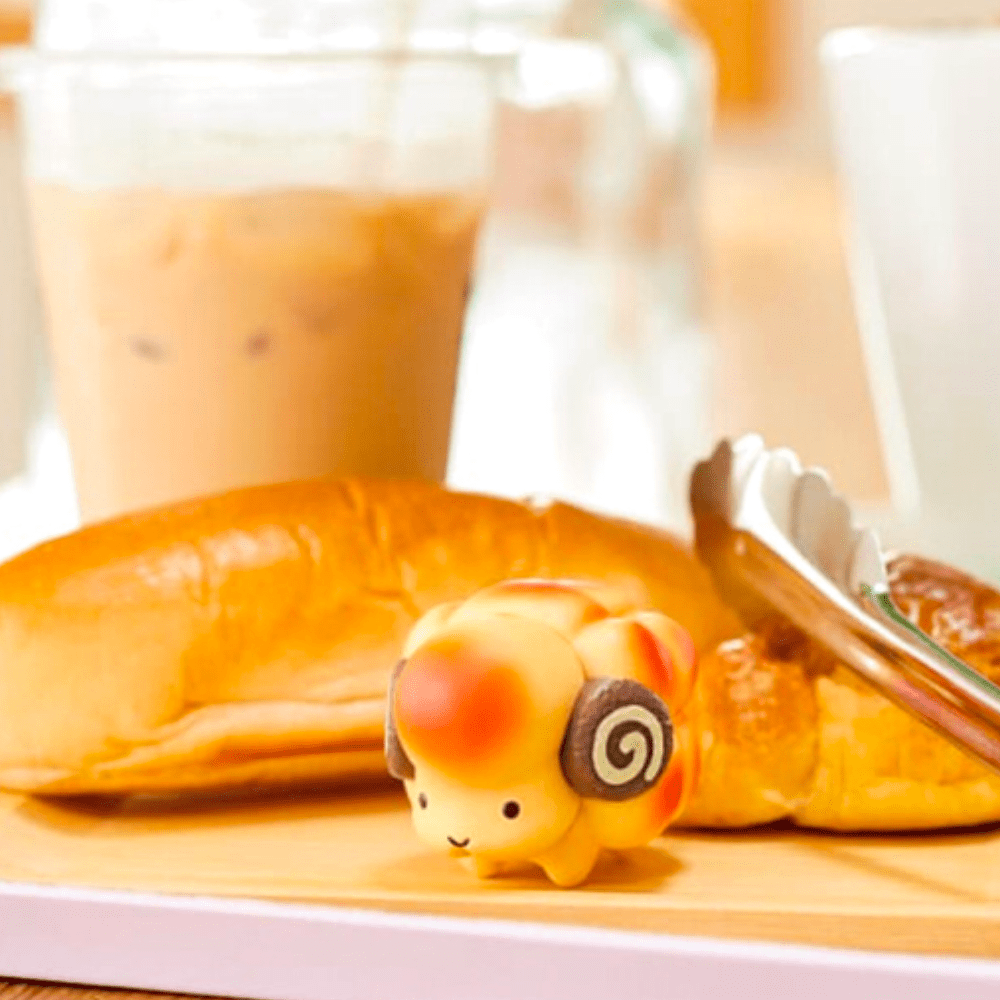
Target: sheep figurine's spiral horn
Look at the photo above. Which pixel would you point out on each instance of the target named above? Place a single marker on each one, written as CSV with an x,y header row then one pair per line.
x,y
618,742
628,743
399,764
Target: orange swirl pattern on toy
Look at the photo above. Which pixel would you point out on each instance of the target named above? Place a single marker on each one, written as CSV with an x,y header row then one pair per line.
x,y
454,704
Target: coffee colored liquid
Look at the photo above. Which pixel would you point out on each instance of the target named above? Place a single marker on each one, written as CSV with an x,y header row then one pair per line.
x,y
207,342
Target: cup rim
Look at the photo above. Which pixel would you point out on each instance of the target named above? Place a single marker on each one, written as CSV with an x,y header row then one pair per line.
x,y
19,64
861,40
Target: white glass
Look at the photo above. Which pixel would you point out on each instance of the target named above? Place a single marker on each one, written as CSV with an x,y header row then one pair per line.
x,y
917,123
587,371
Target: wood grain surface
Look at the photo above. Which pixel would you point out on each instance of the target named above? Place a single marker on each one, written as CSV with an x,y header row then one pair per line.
x,y
13,989
922,894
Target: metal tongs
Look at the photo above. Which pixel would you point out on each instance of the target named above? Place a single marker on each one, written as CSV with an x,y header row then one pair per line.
x,y
776,538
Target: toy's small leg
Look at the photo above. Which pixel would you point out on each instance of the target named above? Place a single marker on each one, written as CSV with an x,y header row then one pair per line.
x,y
482,867
573,858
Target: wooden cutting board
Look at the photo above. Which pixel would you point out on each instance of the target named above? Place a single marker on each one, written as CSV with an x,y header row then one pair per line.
x,y
932,894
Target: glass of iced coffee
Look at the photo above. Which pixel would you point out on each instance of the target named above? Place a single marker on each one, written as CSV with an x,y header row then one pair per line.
x,y
254,269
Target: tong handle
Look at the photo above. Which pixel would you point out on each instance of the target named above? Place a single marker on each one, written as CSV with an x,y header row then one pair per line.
x,y
907,666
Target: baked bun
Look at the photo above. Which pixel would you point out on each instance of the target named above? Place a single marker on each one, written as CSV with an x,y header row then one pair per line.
x,y
789,733
248,638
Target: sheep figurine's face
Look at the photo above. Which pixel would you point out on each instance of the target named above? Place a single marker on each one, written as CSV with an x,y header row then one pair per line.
x,y
481,708
523,819
520,717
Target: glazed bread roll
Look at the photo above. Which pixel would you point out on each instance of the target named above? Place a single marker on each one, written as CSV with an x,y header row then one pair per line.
x,y
248,639
788,732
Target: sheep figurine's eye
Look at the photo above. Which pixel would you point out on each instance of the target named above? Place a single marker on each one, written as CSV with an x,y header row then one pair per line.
x,y
511,809
422,800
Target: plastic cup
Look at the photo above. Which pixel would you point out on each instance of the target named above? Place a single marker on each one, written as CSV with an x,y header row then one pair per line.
x,y
254,269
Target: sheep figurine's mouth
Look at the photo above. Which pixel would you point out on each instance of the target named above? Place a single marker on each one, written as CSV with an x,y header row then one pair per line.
x,y
460,844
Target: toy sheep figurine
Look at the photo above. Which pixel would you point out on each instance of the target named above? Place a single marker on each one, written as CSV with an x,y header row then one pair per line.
x,y
540,721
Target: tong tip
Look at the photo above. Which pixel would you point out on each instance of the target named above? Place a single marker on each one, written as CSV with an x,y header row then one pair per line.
x,y
770,495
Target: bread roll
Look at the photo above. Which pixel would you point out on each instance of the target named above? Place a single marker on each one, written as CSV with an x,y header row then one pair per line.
x,y
788,732
247,639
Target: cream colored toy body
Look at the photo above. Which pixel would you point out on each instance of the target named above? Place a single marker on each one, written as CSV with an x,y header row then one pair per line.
x,y
541,721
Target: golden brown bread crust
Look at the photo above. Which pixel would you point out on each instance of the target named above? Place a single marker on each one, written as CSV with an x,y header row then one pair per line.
x,y
787,732
261,625
247,639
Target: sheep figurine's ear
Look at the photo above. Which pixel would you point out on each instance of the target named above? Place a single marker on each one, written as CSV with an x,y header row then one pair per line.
x,y
618,742
400,766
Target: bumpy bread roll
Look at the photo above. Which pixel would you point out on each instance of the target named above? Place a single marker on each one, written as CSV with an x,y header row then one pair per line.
x,y
248,639
787,732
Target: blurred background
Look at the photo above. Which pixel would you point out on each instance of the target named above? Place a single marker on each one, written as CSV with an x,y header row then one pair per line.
x,y
762,333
